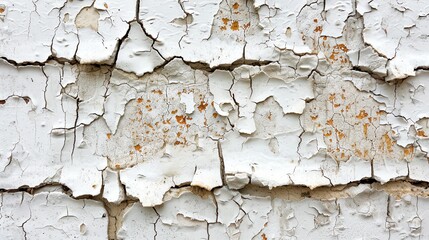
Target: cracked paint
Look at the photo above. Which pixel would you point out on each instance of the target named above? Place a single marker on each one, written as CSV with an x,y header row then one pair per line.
x,y
214,119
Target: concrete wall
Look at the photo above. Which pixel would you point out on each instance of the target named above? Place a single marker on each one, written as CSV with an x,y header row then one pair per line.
x,y
210,119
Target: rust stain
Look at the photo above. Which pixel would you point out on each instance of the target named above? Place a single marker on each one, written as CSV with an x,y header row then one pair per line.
x,y
2,10
174,111
315,20
181,119
2,102
157,92
246,26
409,150
138,148
389,142
225,21
139,100
362,114
340,134
327,133
420,133
318,29
331,96
235,26
235,6
105,5
109,135
341,47
203,105
215,115
365,129
314,117
117,166
330,122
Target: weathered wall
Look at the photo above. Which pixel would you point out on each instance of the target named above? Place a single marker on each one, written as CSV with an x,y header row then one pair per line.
x,y
211,119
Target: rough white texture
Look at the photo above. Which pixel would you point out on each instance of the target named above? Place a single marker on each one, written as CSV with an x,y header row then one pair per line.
x,y
52,215
210,119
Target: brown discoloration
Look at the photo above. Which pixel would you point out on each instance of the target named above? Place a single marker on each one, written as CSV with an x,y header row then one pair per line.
x,y
264,237
318,29
365,129
109,135
235,6
215,115
138,148
139,100
157,92
181,119
105,5
409,150
235,26
2,10
388,142
419,133
2,102
362,114
225,21
203,105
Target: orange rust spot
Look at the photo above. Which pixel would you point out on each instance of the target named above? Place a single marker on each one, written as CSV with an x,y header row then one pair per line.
x,y
314,117
327,133
362,114
315,20
225,21
117,166
235,26
343,96
215,115
177,143
324,38
174,111
318,29
348,107
331,96
138,148
105,5
389,142
181,119
358,153
337,105
340,134
365,153
343,155
157,92
246,26
235,6
139,100
203,105
341,47
330,122
223,28
109,135
365,129
421,133
409,150
264,237
178,134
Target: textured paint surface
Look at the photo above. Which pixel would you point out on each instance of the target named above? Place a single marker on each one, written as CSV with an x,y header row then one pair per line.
x,y
214,119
